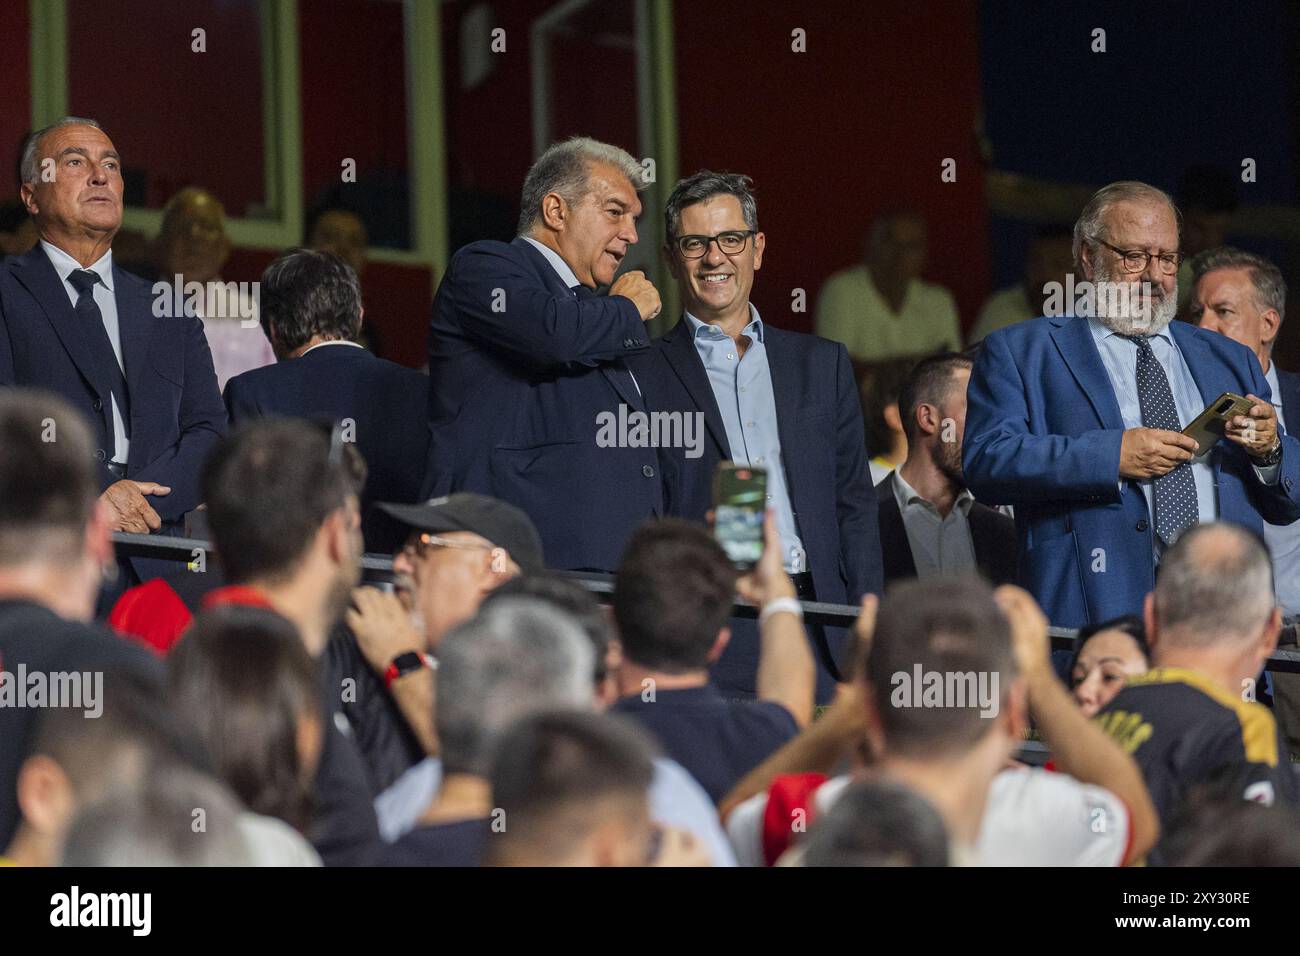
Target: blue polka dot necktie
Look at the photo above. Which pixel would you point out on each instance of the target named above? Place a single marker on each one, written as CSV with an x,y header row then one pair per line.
x,y
1176,505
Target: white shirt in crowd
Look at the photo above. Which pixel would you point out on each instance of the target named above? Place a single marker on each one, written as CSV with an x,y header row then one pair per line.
x,y
1033,818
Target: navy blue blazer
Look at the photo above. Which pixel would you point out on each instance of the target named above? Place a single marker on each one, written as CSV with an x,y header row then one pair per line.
x,y
519,371
1043,432
1288,383
385,402
175,407
819,421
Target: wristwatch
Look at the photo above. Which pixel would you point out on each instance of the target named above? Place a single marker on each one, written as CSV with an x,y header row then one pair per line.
x,y
1272,457
405,663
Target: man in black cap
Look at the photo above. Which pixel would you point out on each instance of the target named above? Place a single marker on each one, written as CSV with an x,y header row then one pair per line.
x,y
459,548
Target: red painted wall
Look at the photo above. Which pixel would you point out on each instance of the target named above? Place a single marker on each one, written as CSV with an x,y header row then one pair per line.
x,y
16,103
861,120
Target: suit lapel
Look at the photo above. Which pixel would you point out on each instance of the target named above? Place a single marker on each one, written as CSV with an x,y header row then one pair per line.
x,y
1078,350
895,547
616,372
134,324
783,368
1199,361
679,350
985,541
36,274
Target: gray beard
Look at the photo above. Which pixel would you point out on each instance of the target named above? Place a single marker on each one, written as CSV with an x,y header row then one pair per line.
x,y
1130,317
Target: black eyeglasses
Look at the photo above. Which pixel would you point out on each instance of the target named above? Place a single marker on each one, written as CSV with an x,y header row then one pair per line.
x,y
1135,260
729,244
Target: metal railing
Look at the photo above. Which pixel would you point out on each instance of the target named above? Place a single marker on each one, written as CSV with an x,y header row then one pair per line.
x,y
379,567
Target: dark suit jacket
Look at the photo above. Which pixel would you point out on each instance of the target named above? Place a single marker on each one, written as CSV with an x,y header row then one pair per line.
x,y
992,533
1043,433
385,401
176,411
519,370
1288,383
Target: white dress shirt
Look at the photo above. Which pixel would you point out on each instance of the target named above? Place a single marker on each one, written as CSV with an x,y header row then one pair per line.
x,y
105,298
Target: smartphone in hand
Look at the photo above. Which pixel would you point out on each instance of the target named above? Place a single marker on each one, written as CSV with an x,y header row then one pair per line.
x,y
739,502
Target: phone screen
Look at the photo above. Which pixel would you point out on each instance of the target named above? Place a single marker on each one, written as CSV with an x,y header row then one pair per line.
x,y
739,500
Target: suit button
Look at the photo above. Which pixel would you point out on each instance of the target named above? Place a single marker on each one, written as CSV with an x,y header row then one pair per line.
x,y
99,455
98,405
1141,525
648,471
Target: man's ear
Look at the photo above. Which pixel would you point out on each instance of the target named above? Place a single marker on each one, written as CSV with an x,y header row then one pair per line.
x,y
555,211
1016,703
1085,261
28,196
1271,322
719,644
1149,620
674,267
335,529
98,544
760,244
1268,635
44,795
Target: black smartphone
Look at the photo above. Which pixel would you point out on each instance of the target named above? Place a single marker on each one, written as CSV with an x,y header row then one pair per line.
x,y
739,501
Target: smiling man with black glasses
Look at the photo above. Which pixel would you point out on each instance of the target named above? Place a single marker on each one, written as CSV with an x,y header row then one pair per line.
x,y
773,399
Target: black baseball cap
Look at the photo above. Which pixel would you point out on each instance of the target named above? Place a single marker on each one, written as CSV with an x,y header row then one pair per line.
x,y
503,524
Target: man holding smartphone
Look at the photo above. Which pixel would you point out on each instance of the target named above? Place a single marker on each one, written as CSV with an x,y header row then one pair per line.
x,y
1078,422
781,401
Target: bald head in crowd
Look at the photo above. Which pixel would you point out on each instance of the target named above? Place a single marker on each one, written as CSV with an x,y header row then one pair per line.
x,y
1212,608
192,241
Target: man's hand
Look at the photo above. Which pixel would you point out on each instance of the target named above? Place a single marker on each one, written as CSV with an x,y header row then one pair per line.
x,y
767,580
128,509
1029,641
1152,452
1256,431
382,627
635,286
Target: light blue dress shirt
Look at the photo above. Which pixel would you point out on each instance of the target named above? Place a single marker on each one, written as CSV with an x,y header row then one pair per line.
x,y
65,265
742,387
1119,355
1284,540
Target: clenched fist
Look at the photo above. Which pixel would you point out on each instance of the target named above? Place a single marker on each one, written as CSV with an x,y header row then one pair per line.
x,y
1153,452
635,286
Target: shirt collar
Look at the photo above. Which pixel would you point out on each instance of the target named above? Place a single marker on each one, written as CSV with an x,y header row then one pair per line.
x,y
1100,332
65,265
557,262
321,345
754,329
1271,377
906,495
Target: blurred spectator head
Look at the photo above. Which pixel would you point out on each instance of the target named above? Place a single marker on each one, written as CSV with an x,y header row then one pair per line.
x,y
897,247
580,199
515,658
76,760
1213,830
1118,237
1240,295
283,507
956,649
72,181
1050,259
309,297
718,205
578,602
54,533
574,790
192,242
1213,599
877,823
1106,655
341,231
673,597
1207,196
932,405
157,824
460,548
242,677
881,384
17,230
